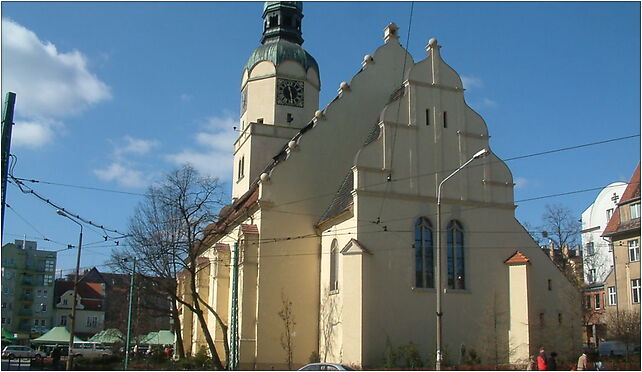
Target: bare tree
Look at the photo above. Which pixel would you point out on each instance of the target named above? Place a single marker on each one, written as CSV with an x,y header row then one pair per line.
x,y
561,226
287,337
167,234
624,326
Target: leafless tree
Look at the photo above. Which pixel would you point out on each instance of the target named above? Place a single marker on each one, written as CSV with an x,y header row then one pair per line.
x,y
561,226
624,326
167,234
287,337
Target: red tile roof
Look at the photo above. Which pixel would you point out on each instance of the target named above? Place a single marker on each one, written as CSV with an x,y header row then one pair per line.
x,y
85,290
249,229
91,295
517,258
222,247
631,192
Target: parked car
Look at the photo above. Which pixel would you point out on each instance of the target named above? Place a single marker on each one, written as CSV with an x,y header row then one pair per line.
x,y
90,350
617,348
325,367
17,351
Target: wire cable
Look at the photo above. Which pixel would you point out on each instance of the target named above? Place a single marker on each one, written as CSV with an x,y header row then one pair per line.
x,y
29,190
32,180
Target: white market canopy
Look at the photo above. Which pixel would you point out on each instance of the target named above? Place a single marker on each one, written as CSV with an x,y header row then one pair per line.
x,y
56,335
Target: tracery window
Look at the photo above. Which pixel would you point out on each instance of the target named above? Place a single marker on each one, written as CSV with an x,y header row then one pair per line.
x,y
424,263
334,265
456,267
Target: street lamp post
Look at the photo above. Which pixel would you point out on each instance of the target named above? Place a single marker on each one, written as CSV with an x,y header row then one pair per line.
x,y
73,308
480,154
129,315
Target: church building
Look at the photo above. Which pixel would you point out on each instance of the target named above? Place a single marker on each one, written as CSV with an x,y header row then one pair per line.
x,y
335,216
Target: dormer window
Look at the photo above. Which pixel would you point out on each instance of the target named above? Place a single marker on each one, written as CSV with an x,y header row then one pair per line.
x,y
635,210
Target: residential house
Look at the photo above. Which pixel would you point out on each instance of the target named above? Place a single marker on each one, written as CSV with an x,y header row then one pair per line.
x,y
90,311
622,285
150,309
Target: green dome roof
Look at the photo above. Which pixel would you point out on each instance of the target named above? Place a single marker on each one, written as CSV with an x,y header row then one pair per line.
x,y
279,51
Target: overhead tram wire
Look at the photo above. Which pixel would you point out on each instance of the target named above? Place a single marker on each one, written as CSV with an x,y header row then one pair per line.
x,y
31,191
32,226
396,130
32,180
368,223
472,165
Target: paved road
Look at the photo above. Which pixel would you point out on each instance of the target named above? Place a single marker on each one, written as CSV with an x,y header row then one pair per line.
x,y
18,365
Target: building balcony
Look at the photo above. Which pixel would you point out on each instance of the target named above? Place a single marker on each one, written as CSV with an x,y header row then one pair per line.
x,y
27,283
26,298
25,313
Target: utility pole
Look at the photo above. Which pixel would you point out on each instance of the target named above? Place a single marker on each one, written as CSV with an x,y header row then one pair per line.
x,y
233,363
129,315
74,305
7,124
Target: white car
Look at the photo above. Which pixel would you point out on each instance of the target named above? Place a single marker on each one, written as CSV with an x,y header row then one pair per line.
x,y
90,350
325,367
17,351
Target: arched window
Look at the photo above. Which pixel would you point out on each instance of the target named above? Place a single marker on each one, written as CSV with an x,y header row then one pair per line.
x,y
456,268
424,264
241,170
334,266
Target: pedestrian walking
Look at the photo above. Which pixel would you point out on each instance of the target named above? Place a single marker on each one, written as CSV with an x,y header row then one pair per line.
x,y
532,363
55,358
551,363
582,362
541,360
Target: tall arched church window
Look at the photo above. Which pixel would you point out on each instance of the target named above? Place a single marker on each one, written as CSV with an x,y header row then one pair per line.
x,y
334,265
424,263
456,267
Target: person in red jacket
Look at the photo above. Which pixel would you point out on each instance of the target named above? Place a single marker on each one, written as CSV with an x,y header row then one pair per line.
x,y
541,360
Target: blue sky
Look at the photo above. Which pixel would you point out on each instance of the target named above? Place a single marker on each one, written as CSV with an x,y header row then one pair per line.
x,y
112,95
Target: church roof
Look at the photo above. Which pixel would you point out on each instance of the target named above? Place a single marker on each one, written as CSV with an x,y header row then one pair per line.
x,y
279,51
632,192
342,199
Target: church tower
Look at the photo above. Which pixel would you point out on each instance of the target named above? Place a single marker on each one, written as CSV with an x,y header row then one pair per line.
x,y
279,92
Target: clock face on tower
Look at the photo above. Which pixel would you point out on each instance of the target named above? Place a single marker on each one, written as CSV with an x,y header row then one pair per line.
x,y
289,92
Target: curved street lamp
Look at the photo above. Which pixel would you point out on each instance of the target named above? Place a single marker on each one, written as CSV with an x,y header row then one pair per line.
x,y
480,154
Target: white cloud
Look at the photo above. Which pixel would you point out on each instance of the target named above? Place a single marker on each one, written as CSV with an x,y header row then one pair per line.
x,y
34,133
123,169
137,146
123,174
470,82
49,84
520,182
214,158
487,102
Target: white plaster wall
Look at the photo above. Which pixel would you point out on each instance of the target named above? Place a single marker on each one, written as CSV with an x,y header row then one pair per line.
x,y
419,156
300,189
595,217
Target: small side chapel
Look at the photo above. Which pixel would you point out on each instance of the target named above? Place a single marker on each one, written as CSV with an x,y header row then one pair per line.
x,y
334,212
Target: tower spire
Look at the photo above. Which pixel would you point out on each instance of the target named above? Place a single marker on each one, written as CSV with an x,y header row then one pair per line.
x,y
282,21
